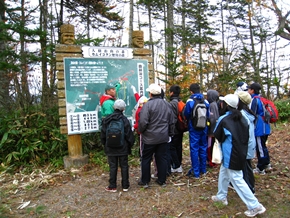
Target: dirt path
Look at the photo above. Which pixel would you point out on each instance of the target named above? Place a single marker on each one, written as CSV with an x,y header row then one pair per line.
x,y
80,193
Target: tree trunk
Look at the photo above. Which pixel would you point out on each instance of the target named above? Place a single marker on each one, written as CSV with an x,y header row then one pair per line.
x,y
4,81
150,33
45,98
23,96
131,18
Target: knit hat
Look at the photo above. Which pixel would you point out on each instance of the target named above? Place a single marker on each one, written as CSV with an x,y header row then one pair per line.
x,y
231,99
245,97
154,89
109,86
242,86
119,104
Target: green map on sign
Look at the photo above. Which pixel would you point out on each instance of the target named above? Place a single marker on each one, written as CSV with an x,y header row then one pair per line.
x,y
86,79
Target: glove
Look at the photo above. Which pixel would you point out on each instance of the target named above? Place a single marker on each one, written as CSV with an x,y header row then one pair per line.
x,y
169,139
117,85
134,89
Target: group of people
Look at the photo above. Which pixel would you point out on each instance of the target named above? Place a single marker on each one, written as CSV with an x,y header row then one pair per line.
x,y
235,120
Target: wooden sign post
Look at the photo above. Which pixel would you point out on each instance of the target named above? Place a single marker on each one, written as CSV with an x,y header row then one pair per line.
x,y
75,157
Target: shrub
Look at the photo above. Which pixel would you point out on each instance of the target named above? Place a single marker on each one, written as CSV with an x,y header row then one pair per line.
x,y
29,138
283,108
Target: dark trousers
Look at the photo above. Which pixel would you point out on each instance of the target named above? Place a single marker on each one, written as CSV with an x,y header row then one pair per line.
x,y
113,164
168,159
248,175
176,150
262,152
159,151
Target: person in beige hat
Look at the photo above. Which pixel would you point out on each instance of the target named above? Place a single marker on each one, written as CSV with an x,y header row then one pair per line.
x,y
244,101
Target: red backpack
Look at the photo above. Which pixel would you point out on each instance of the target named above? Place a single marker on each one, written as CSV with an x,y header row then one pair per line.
x,y
181,123
271,113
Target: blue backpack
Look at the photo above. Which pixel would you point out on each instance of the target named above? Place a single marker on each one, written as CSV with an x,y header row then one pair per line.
x,y
115,134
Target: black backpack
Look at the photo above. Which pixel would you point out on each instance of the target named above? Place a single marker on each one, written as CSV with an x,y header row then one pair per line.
x,y
115,134
199,119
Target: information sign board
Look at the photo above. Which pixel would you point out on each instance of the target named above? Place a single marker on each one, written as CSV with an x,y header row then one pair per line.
x,y
85,82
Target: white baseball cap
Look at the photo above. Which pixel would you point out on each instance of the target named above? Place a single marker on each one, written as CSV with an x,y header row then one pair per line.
x,y
231,100
154,89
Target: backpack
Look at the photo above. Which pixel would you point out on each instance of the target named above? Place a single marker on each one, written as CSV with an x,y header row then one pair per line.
x,y
271,113
115,134
199,120
181,123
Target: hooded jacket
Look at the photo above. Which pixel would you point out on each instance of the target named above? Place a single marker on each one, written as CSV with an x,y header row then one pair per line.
x,y
212,97
107,103
128,134
156,122
174,104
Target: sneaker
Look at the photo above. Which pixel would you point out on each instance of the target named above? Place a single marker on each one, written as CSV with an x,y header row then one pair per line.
x,y
269,167
125,189
258,171
108,189
177,170
216,199
258,210
162,184
145,185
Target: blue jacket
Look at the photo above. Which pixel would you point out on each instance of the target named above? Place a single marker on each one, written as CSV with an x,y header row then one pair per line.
x,y
262,128
252,140
233,136
189,107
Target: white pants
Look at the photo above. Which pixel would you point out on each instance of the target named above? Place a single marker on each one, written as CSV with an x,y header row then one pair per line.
x,y
236,178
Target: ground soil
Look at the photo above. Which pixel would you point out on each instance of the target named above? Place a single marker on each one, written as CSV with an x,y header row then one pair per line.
x,y
81,193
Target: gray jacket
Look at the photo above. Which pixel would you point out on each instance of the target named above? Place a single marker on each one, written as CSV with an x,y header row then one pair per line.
x,y
156,121
174,105
212,97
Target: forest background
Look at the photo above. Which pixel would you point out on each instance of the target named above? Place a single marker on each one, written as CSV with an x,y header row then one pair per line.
x,y
215,43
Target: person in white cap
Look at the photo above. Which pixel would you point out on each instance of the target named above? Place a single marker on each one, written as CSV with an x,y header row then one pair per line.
x,y
232,131
156,126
